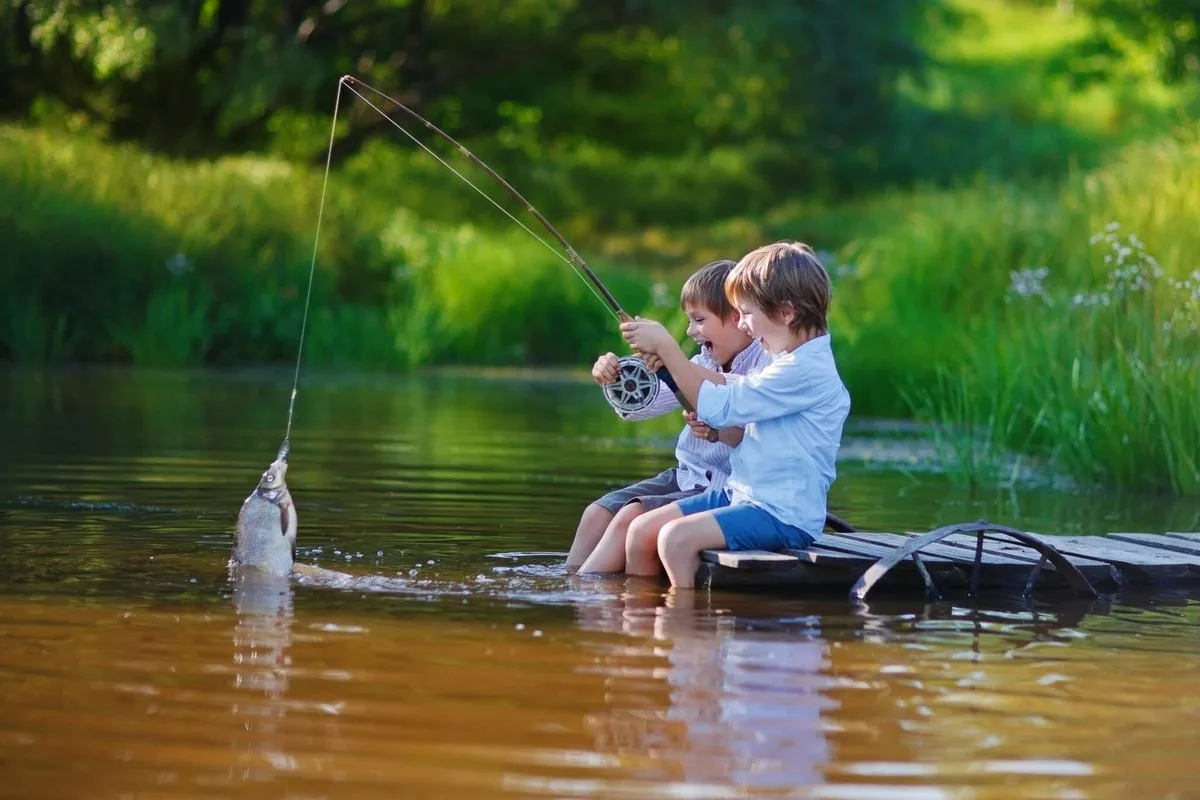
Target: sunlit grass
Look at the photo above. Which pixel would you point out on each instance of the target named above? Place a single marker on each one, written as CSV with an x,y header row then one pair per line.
x,y
109,253
1102,382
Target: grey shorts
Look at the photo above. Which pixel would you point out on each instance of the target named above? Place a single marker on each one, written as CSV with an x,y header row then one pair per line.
x,y
661,490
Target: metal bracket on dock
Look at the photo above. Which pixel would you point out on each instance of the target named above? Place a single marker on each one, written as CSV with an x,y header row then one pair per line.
x,y
982,528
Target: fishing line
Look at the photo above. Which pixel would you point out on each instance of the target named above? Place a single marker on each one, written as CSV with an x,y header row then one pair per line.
x,y
635,387
609,302
312,268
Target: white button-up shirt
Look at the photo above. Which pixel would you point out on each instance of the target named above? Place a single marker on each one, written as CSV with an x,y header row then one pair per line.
x,y
793,411
702,464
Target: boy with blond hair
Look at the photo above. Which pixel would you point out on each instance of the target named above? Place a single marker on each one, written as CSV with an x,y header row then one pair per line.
x,y
792,412
702,453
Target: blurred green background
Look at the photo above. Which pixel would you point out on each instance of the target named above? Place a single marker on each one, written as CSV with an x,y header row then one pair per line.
x,y
1006,192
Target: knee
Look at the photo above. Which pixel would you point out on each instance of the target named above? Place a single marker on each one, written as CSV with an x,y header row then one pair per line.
x,y
595,515
673,542
627,515
640,537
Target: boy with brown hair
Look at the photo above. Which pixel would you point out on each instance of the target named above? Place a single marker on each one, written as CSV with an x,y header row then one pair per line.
x,y
702,453
792,410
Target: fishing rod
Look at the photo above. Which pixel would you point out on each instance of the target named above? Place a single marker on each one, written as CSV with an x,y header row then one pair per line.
x,y
635,387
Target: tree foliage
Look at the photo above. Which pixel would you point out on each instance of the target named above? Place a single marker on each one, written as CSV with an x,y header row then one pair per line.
x,y
1165,32
810,83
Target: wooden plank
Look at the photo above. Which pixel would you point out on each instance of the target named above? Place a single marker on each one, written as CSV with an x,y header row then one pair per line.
x,y
870,550
799,578
1191,537
767,560
824,556
749,559
1094,570
1154,540
946,574
995,570
1138,564
1136,549
950,552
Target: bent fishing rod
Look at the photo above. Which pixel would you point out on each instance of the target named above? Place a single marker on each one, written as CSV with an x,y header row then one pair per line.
x,y
635,387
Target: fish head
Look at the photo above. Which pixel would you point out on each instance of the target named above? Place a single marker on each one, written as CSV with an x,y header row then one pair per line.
x,y
272,483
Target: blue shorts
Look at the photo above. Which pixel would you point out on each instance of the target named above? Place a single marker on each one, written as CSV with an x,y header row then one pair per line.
x,y
745,526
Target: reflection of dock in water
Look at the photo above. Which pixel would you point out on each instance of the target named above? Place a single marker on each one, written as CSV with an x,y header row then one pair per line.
x,y
736,695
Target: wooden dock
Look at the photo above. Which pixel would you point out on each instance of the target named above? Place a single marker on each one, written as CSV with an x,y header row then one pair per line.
x,y
962,559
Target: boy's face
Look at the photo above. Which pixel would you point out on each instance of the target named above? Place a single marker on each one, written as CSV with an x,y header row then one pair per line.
x,y
773,335
720,339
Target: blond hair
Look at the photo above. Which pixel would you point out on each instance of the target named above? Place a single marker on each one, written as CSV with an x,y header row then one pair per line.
x,y
706,287
782,277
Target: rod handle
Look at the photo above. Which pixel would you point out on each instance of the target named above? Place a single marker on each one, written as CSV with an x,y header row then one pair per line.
x,y
664,375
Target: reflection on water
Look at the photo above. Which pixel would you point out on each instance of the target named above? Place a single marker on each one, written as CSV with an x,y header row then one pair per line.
x,y
262,640
734,707
452,656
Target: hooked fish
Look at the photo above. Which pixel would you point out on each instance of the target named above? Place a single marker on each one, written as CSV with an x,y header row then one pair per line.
x,y
265,537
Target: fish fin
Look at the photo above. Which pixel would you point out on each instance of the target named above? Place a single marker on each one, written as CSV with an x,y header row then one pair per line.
x,y
283,519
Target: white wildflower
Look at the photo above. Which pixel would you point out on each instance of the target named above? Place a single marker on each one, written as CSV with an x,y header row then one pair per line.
x,y
1029,283
179,264
660,295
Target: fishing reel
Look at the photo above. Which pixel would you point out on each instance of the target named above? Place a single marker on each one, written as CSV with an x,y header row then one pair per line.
x,y
635,388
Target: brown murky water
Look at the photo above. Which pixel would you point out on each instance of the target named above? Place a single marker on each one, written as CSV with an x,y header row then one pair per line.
x,y
462,662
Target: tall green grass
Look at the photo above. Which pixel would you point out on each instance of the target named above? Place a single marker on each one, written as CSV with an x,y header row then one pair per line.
x,y
1058,321
108,253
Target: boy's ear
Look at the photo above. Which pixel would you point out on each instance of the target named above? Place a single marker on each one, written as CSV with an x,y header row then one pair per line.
x,y
789,314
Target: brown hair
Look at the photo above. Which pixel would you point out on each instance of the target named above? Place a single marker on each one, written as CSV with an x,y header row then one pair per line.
x,y
780,277
706,287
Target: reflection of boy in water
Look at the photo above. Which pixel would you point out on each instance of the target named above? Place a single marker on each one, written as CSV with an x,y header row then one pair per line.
x,y
729,707
702,453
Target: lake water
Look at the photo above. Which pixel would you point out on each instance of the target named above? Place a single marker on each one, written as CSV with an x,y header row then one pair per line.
x,y
461,660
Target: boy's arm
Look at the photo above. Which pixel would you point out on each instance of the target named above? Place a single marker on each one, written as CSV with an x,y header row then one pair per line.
x,y
775,391
730,437
688,375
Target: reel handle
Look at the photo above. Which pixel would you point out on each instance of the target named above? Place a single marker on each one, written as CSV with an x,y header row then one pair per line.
x,y
664,375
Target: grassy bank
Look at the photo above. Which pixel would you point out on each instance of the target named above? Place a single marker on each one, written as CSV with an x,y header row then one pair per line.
x,y
110,254
1058,320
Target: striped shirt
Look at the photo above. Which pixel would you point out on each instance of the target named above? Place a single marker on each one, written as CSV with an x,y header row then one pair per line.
x,y
702,464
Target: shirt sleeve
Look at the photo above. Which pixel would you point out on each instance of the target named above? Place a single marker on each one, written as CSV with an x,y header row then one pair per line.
x,y
775,391
663,402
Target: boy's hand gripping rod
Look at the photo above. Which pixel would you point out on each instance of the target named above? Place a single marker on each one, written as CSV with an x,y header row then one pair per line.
x,y
635,387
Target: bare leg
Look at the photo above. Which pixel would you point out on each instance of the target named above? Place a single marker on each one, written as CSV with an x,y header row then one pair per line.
x,y
592,523
680,542
641,545
609,554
